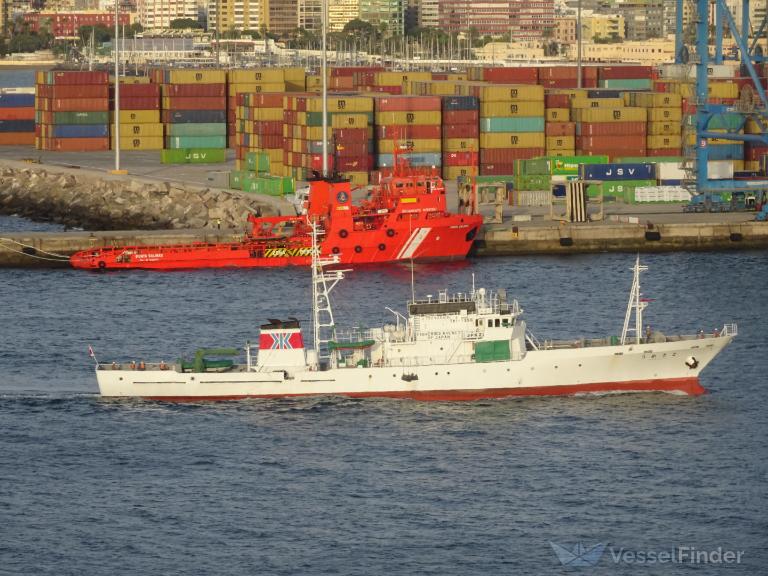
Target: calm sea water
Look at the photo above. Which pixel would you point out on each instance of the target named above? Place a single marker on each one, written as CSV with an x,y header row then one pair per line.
x,y
336,486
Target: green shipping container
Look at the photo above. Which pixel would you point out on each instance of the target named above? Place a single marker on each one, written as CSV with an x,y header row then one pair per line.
x,y
619,189
532,182
257,162
493,351
182,142
81,118
236,178
533,166
193,156
726,121
627,84
518,124
269,185
569,165
192,129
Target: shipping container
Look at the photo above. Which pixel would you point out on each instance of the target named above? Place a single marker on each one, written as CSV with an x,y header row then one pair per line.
x,y
79,131
135,130
130,142
519,124
512,140
509,109
185,142
193,156
199,116
617,171
197,129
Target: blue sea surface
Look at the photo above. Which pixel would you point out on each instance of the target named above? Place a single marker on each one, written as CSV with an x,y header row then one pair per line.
x,y
337,486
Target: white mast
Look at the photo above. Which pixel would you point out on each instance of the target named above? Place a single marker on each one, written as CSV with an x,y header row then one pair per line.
x,y
116,42
636,304
322,283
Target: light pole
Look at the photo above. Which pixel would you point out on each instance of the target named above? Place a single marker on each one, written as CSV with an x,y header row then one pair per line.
x,y
324,74
117,88
578,46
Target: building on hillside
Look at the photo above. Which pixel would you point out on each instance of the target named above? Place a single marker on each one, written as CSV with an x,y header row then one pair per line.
x,y
158,14
564,31
429,13
648,52
386,15
280,17
340,12
68,24
234,15
310,14
603,26
644,19
519,20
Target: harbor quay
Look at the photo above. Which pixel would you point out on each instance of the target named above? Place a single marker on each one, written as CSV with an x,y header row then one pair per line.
x,y
522,230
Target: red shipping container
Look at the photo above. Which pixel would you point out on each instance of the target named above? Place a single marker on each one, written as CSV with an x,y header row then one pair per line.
x,y
521,75
664,152
352,163
557,101
410,131
17,138
558,72
755,152
344,135
341,83
407,104
560,129
79,105
268,127
624,72
138,90
351,149
508,155
316,162
195,90
231,141
352,70
437,76
264,99
612,129
17,113
75,91
496,169
139,103
182,103
393,90
231,116
461,130
460,158
79,144
76,77
608,142
461,116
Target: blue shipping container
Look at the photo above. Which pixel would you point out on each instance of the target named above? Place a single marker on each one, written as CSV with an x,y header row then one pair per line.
x,y
17,100
604,93
80,130
726,152
460,103
17,125
201,116
415,159
617,171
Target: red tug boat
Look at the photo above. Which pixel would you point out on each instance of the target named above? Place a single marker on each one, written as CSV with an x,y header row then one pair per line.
x,y
405,217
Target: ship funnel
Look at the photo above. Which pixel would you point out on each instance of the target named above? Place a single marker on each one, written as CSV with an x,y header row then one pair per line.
x,y
281,345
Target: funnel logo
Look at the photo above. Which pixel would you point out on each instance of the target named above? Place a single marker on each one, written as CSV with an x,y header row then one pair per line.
x,y
578,555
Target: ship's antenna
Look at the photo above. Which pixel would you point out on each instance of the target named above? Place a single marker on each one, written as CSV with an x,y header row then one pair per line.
x,y
634,303
473,285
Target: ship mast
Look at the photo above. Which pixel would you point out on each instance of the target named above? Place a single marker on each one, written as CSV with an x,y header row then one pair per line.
x,y
322,314
636,304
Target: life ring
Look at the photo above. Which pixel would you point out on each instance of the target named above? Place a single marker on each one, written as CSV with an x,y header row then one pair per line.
x,y
358,249
343,233
390,232
335,250
382,246
691,362
102,264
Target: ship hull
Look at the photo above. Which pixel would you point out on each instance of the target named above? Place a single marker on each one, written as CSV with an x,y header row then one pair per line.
x,y
664,367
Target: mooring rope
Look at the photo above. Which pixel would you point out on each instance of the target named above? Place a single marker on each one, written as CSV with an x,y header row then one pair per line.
x,y
56,257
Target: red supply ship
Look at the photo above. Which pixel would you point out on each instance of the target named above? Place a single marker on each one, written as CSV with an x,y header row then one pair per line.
x,y
405,217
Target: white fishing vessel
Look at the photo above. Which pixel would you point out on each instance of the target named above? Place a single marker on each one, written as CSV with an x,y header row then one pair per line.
x,y
463,346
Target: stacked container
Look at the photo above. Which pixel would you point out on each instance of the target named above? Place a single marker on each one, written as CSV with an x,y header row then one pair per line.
x,y
461,138
664,121
627,77
395,82
259,128
618,180
251,81
17,118
559,131
413,124
194,104
140,126
72,111
605,126
511,125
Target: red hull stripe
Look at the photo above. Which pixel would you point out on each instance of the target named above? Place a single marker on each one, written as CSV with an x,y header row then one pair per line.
x,y
690,386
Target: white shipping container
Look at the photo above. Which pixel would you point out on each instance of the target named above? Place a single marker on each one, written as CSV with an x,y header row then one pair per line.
x,y
662,194
720,169
682,71
670,171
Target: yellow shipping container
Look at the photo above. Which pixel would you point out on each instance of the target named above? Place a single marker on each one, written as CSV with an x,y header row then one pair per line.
x,y
441,89
723,89
752,165
507,92
690,139
356,178
560,143
267,114
139,130
412,145
511,109
558,115
655,99
197,76
738,165
313,82
665,115
136,117
670,141
408,118
453,172
664,128
610,115
139,142
348,120
580,102
512,140
563,152
400,78
234,89
461,145
457,77
257,76
341,104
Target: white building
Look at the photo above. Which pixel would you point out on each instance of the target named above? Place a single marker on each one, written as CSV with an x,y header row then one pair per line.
x,y
154,14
